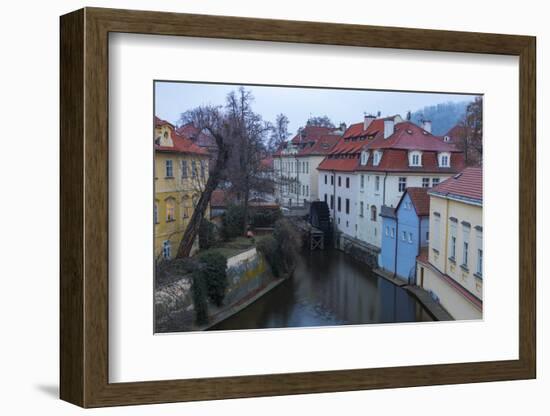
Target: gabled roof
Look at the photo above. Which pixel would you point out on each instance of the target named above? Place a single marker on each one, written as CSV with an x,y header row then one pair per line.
x,y
181,144
322,146
160,122
397,160
311,133
420,200
467,186
409,136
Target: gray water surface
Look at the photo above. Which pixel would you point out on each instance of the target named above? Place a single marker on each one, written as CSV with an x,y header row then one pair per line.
x,y
329,288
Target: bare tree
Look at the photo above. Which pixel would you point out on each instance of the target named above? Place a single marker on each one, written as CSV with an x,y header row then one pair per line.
x,y
216,123
470,139
279,133
320,121
244,171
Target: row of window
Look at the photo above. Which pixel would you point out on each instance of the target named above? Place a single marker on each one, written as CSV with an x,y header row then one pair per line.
x,y
453,246
184,168
297,166
296,188
415,158
170,209
402,182
406,236
465,255
373,210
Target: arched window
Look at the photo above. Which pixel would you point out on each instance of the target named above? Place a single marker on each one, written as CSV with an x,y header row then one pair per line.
x,y
170,209
373,212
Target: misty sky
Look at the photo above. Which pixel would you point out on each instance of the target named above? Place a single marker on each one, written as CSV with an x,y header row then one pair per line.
x,y
298,104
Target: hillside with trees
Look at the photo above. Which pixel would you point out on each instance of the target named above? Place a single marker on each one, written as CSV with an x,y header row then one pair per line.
x,y
444,116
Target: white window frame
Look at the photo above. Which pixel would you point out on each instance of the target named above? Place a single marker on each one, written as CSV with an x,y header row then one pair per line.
x,y
402,183
169,168
425,182
415,158
444,159
364,157
377,157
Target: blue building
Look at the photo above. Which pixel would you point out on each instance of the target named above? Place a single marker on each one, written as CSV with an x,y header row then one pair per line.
x,y
405,230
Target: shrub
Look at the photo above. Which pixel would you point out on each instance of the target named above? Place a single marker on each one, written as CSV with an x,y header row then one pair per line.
x,y
233,222
213,268
199,292
288,242
281,249
265,217
167,271
269,248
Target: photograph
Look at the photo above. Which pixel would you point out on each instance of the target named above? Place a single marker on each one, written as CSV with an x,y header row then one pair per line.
x,y
291,206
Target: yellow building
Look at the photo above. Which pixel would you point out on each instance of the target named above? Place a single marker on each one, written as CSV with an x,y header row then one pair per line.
x,y
452,267
181,171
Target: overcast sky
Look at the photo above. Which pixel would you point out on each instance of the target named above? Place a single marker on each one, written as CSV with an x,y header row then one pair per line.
x,y
298,104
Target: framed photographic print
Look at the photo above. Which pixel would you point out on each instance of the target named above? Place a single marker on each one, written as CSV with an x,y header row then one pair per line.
x,y
255,207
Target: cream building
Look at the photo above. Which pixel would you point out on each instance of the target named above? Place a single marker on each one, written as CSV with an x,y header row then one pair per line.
x,y
452,267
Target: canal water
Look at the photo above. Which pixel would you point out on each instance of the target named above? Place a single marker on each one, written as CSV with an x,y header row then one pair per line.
x,y
329,288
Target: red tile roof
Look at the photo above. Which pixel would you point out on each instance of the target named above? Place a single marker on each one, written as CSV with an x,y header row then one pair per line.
x,y
193,133
322,146
467,185
181,144
267,163
420,200
375,128
218,198
311,133
397,160
346,164
160,122
407,136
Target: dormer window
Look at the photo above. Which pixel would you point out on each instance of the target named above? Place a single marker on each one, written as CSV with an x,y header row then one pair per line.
x,y
364,157
377,157
415,158
446,139
444,160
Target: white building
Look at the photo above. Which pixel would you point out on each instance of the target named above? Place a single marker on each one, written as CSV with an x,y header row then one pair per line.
x,y
295,165
373,164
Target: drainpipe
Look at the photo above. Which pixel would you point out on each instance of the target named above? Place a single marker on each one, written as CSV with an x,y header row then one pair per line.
x,y
419,244
396,243
334,197
384,191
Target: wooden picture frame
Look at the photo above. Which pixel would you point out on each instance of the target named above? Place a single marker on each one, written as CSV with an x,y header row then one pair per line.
x,y
84,207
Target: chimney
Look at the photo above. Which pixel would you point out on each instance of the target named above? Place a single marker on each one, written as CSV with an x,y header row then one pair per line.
x,y
368,119
427,125
389,126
